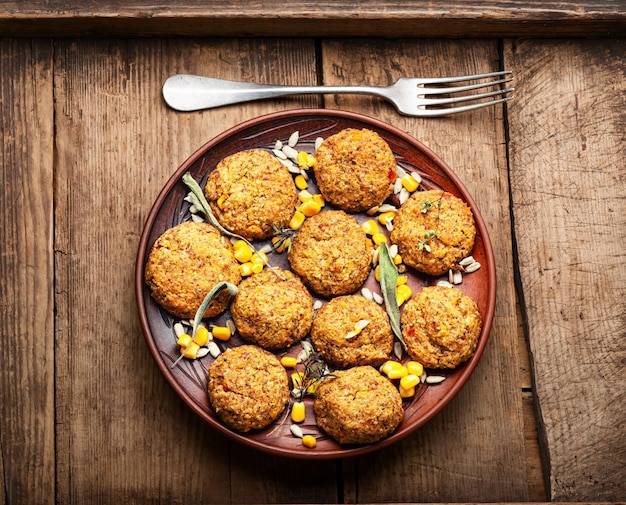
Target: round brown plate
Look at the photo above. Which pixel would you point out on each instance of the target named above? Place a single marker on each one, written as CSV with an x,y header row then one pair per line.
x,y
189,378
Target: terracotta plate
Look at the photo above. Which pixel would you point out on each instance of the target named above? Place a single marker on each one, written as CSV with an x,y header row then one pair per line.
x,y
189,378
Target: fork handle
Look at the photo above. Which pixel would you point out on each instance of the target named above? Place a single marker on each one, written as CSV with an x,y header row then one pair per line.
x,y
186,92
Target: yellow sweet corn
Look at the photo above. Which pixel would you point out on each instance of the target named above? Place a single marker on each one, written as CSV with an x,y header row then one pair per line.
x,y
257,267
318,198
202,336
409,183
403,293
288,361
191,351
370,227
305,159
298,412
377,273
301,182
386,217
310,208
309,441
395,370
379,238
296,220
184,340
297,378
406,393
409,381
220,201
305,195
397,259
243,252
245,269
415,368
402,279
259,257
221,332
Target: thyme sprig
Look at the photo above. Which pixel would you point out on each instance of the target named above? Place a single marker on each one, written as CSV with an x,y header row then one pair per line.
x,y
424,243
315,371
283,238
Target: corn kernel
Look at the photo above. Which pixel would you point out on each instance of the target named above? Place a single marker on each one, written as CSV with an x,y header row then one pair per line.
x,y
386,366
397,371
370,227
409,183
202,336
297,378
379,238
415,368
288,361
259,257
298,412
305,195
257,267
309,441
245,269
402,279
301,182
377,273
184,340
406,393
280,247
243,252
386,217
310,208
405,291
318,198
221,332
409,381
397,259
220,201
191,351
296,220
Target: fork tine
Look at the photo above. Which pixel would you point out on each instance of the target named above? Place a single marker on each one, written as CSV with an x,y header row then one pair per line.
x,y
457,89
465,98
446,80
423,111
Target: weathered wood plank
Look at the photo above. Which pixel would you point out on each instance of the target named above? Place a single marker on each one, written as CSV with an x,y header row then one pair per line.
x,y
124,433
568,171
386,18
26,272
448,459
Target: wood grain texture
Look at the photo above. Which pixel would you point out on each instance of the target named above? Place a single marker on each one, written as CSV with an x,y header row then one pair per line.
x,y
125,435
386,18
26,272
567,155
454,463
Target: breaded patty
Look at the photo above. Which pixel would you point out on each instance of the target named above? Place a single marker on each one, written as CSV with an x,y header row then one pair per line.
x,y
185,263
359,406
331,253
248,387
272,312
441,327
355,169
434,230
334,322
249,192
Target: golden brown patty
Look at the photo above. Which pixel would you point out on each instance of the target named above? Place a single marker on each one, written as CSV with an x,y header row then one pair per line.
x,y
441,326
248,387
185,263
359,406
436,211
355,169
331,253
272,312
334,322
250,191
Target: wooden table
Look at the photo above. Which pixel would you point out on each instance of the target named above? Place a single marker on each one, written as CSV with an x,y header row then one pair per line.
x,y
87,143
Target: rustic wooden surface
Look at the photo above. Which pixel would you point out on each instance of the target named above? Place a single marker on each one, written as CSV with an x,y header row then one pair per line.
x,y
87,143
370,18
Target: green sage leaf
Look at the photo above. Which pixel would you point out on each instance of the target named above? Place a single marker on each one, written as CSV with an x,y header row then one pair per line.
x,y
388,281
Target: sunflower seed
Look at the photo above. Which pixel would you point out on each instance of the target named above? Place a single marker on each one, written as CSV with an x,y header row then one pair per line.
x,y
361,324
197,218
397,186
266,249
178,329
278,145
423,377
304,174
451,276
373,210
389,225
293,139
193,209
350,335
230,324
202,352
400,171
290,152
318,142
296,431
377,298
375,257
472,267
404,195
387,207
214,350
417,177
435,379
393,250
318,304
457,277
279,154
467,261
366,293
397,350
444,284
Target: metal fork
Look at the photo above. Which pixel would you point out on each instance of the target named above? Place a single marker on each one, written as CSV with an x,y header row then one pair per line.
x,y
428,97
